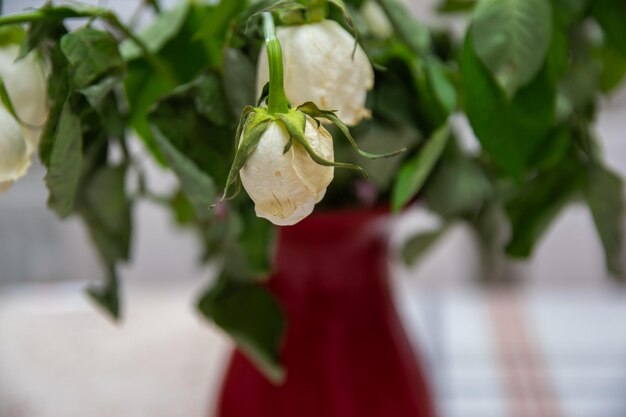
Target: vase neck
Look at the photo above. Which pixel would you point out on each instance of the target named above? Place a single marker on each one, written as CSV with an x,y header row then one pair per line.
x,y
339,249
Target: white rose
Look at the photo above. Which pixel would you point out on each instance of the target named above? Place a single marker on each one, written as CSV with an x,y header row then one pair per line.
x,y
319,67
25,83
286,186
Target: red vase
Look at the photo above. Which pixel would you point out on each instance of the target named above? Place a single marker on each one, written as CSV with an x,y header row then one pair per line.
x,y
345,353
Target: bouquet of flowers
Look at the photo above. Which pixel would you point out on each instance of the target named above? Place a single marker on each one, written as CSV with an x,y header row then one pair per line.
x,y
311,105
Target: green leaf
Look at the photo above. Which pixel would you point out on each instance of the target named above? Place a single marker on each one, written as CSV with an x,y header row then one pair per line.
x,y
512,37
416,170
418,245
162,29
107,296
440,85
604,193
40,35
510,131
106,211
64,168
379,137
58,91
96,93
251,253
613,68
611,15
239,80
553,150
104,195
412,32
535,205
458,187
571,7
252,317
91,54
186,54
197,186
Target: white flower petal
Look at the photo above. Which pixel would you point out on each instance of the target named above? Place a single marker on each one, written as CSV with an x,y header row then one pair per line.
x,y
15,151
319,67
286,186
25,82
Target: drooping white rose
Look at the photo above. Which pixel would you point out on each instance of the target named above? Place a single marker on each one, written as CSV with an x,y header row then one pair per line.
x,y
25,83
286,186
319,67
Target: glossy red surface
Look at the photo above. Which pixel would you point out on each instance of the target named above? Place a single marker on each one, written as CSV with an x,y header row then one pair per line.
x,y
345,352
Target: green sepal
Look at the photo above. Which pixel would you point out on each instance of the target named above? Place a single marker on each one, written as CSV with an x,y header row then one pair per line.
x,y
295,123
288,146
312,110
252,126
347,17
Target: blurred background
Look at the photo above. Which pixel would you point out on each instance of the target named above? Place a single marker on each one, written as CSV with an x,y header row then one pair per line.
x,y
554,345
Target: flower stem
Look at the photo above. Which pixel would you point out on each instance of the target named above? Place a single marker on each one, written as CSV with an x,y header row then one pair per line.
x,y
277,100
